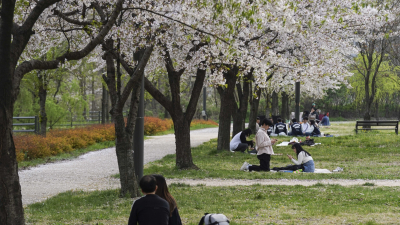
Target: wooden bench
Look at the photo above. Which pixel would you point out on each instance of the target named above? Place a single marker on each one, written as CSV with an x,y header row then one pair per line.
x,y
383,123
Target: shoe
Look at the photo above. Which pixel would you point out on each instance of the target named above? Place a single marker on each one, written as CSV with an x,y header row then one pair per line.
x,y
244,166
253,152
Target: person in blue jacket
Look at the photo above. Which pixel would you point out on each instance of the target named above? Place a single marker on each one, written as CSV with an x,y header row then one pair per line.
x,y
295,128
280,128
325,120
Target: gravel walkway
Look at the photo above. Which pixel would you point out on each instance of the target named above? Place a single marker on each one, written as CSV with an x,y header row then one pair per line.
x,y
92,171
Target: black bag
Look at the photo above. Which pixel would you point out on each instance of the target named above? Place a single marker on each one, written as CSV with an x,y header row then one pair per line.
x,y
214,219
289,167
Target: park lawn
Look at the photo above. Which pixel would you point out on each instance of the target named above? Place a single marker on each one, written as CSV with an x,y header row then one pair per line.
x,y
372,155
257,204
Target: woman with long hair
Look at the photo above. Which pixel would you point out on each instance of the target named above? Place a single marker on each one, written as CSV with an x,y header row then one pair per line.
x,y
303,158
162,191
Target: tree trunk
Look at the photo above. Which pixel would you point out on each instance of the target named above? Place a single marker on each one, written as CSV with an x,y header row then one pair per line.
x,y
123,148
124,134
267,105
275,104
254,110
239,113
104,103
181,119
42,103
11,210
182,141
284,111
377,110
225,113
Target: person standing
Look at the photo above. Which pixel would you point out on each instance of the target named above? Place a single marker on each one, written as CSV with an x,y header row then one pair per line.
x,y
239,141
149,209
162,191
264,149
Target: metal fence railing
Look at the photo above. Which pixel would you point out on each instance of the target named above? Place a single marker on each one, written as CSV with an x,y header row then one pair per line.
x,y
26,124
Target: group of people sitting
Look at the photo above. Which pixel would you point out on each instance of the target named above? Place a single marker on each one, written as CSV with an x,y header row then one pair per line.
x,y
307,128
263,148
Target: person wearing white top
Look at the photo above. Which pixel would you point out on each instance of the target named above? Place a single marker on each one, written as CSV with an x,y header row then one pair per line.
x,y
264,149
306,128
303,158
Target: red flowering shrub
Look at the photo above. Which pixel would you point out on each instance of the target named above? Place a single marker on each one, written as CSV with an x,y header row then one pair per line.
x,y
207,122
30,146
57,141
153,125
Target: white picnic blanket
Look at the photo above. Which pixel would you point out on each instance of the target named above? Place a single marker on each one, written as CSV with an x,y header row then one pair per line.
x,y
286,143
322,171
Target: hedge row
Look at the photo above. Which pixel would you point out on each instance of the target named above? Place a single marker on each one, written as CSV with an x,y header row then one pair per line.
x,y
59,141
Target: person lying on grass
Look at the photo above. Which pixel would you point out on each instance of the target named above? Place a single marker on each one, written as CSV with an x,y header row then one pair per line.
x,y
162,191
239,141
303,158
264,149
149,209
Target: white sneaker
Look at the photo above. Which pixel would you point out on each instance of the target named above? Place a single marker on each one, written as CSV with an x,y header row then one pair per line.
x,y
244,166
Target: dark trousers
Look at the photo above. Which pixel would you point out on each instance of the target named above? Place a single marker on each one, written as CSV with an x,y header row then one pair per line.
x,y
241,147
264,163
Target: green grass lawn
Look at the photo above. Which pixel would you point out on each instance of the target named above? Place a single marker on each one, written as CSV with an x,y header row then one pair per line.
x,y
318,204
372,155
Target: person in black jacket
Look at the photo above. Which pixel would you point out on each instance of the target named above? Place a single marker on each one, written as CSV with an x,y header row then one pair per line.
x,y
149,209
162,191
280,128
316,132
295,128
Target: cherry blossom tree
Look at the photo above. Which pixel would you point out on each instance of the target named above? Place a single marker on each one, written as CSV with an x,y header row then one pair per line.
x,y
29,29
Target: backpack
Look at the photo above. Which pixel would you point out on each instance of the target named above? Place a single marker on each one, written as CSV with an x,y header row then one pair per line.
x,y
214,219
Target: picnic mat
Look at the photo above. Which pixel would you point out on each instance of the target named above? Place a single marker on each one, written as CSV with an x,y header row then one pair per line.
x,y
286,143
315,171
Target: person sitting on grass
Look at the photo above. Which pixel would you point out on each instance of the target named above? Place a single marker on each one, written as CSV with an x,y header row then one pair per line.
x,y
239,142
264,149
303,158
271,128
162,191
325,120
280,129
149,209
314,129
305,127
295,128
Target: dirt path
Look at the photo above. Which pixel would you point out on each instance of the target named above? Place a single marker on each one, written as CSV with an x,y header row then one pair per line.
x,y
93,170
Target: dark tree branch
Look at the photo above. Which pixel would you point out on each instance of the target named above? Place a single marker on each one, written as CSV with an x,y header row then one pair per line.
x,y
180,22
164,101
28,66
194,97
